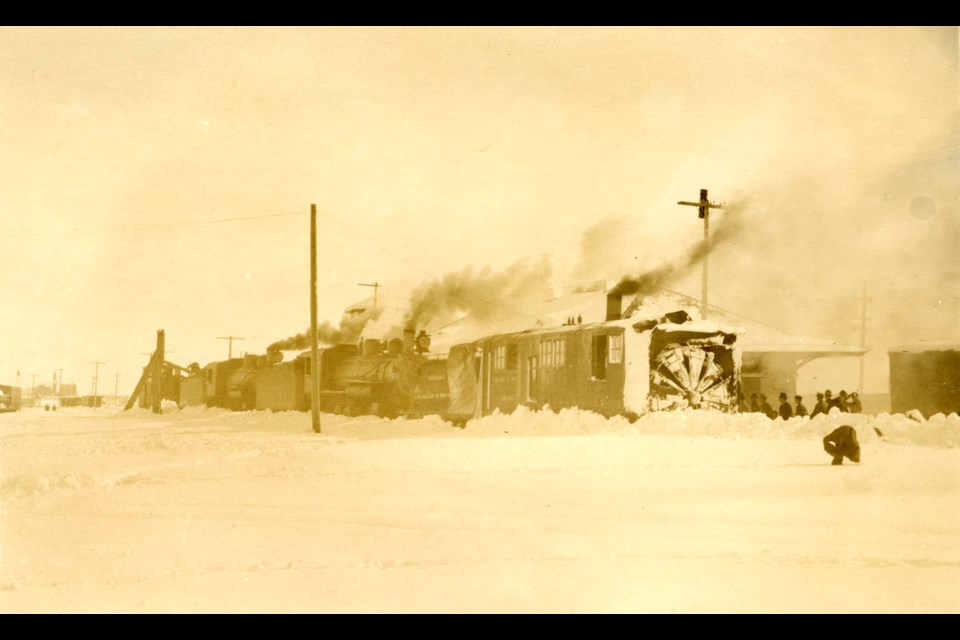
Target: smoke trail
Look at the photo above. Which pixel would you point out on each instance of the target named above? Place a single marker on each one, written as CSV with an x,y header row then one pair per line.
x,y
482,293
604,247
729,227
347,332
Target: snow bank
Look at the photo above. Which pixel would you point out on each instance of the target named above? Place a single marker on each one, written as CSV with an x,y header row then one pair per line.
x,y
937,431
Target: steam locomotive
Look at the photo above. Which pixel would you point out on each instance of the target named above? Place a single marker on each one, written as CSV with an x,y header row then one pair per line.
x,y
620,366
388,379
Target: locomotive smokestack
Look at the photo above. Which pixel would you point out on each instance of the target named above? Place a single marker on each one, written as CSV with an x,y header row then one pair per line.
x,y
408,344
614,306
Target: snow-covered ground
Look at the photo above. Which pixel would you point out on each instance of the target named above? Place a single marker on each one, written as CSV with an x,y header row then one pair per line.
x,y
202,510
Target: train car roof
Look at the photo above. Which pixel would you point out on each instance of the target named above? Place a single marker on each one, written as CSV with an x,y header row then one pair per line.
x,y
627,323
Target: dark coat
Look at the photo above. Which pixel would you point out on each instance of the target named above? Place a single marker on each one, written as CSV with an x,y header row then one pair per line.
x,y
768,410
841,442
800,411
820,407
786,411
838,403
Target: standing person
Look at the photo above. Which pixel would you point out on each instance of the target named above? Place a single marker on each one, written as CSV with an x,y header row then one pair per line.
x,y
828,398
765,407
800,411
853,403
841,442
786,411
841,401
820,406
754,405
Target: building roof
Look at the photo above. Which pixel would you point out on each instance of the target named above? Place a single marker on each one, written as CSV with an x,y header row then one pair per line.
x,y
924,347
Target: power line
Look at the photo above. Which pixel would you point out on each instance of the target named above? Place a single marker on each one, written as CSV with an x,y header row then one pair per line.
x,y
376,246
140,227
27,232
721,309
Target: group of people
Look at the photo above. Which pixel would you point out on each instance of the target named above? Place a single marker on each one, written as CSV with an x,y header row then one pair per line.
x,y
825,402
840,443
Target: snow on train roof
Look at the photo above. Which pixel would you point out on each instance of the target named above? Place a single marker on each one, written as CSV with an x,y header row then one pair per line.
x,y
590,307
555,314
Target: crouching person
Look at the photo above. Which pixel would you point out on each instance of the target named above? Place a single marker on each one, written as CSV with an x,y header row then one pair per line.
x,y
841,442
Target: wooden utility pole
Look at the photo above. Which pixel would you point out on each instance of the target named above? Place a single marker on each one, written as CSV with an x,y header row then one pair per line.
x,y
157,363
703,206
230,345
863,333
96,378
59,382
314,352
116,389
375,285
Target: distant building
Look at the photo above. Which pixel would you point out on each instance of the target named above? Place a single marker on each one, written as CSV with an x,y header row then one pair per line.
x,y
10,399
925,377
772,359
67,389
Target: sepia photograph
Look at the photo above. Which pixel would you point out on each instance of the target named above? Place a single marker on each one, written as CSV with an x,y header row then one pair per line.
x,y
480,320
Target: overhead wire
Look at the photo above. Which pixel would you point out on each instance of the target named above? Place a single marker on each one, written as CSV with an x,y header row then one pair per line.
x,y
34,232
26,232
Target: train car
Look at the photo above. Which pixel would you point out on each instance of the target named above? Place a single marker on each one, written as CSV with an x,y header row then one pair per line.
x,y
283,386
231,384
620,366
10,398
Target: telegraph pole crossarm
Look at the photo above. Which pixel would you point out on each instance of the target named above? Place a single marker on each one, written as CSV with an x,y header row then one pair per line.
x,y
375,285
229,345
703,206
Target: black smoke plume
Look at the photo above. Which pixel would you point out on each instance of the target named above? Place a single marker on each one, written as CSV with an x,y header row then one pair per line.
x,y
482,293
347,332
728,227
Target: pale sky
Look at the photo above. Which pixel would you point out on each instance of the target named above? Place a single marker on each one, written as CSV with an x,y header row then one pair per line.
x,y
161,178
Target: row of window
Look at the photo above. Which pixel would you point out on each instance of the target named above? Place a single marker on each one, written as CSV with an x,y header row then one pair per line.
x,y
553,353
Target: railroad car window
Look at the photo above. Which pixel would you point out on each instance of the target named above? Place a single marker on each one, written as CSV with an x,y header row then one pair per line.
x,y
616,349
505,357
552,353
513,358
599,368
